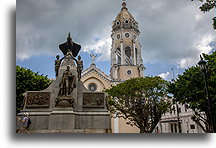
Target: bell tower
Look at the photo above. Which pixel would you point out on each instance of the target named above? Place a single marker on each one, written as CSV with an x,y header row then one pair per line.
x,y
126,60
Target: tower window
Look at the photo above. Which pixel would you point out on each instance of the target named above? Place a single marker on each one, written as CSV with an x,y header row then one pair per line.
x,y
118,36
117,23
127,35
118,60
134,37
128,51
129,72
126,21
136,54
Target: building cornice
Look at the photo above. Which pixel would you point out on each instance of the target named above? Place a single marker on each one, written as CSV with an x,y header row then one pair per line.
x,y
94,69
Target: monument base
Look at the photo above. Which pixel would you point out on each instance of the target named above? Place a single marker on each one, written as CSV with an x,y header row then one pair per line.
x,y
64,101
66,120
71,131
62,119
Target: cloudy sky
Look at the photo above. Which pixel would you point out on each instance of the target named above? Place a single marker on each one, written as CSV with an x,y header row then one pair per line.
x,y
173,32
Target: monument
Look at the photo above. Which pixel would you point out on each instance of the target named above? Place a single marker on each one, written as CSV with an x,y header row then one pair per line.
x,y
66,106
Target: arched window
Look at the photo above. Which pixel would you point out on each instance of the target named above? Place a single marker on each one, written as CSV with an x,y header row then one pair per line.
x,y
117,22
118,56
118,49
126,21
118,60
136,54
128,51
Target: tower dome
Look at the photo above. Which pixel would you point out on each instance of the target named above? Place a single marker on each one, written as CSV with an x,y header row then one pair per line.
x,y
126,60
124,19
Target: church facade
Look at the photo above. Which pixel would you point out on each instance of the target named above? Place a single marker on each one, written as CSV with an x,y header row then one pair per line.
x,y
126,63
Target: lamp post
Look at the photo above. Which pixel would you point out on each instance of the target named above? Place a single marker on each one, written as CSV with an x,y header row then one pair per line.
x,y
203,66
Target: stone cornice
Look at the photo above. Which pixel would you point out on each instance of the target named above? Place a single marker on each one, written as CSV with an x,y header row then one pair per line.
x,y
94,69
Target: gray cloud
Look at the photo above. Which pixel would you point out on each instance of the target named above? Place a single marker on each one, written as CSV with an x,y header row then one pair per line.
x,y
170,30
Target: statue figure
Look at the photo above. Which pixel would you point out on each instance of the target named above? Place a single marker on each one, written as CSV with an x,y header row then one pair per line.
x,y
57,64
93,58
70,46
79,63
67,83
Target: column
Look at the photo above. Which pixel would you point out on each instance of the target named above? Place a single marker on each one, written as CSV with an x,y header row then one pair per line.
x,y
122,53
112,62
134,53
139,55
113,56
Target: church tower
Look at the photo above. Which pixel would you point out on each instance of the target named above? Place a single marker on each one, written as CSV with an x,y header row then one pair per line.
x,y
126,60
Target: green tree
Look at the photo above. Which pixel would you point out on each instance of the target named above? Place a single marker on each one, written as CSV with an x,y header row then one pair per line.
x,y
206,6
27,80
189,88
141,101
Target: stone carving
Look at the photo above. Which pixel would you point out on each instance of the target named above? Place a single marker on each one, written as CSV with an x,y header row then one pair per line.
x,y
93,100
38,99
57,64
64,101
67,83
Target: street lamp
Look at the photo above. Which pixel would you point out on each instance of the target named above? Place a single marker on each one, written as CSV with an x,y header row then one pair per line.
x,y
203,66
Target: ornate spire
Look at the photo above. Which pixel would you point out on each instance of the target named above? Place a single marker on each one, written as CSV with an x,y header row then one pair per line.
x,y
124,5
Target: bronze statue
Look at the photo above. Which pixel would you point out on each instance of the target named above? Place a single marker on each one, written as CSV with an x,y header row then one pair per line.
x,y
79,63
67,83
70,46
57,64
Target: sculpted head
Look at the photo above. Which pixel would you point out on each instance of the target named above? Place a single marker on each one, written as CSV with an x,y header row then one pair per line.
x,y
79,57
57,57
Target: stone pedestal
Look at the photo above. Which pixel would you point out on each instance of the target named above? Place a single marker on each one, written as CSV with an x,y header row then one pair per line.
x,y
64,101
93,120
62,119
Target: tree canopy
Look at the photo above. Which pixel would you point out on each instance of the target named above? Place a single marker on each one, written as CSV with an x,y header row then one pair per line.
x,y
206,6
189,88
141,101
27,80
